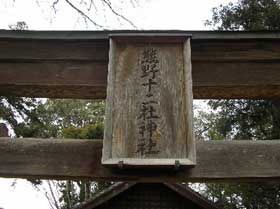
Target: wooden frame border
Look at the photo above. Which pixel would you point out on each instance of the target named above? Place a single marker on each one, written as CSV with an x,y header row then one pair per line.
x,y
159,38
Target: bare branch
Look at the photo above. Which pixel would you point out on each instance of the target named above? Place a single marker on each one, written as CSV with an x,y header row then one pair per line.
x,y
108,3
54,4
52,200
52,195
83,14
92,4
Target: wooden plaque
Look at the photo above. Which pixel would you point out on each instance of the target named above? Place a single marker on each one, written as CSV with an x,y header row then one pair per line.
x,y
149,102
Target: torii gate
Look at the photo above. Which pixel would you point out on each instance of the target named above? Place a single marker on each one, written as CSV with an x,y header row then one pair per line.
x,y
73,64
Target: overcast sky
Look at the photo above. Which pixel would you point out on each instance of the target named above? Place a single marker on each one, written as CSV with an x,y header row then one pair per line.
x,y
38,14
147,14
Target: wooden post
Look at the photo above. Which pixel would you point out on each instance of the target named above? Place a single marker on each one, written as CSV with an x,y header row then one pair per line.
x,y
149,102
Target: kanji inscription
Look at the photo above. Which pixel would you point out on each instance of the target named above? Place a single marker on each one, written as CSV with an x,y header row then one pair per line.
x,y
149,103
148,111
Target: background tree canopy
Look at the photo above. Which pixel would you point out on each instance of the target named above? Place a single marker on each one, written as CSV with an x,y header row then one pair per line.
x,y
57,118
243,119
247,15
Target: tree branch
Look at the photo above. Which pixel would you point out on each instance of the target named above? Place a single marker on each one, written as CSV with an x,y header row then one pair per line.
x,y
54,4
83,14
108,3
53,196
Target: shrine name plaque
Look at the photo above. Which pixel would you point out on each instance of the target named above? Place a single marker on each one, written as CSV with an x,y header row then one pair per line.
x,y
149,102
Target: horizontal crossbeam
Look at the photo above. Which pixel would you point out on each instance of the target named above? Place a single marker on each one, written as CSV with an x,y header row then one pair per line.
x,y
71,64
81,159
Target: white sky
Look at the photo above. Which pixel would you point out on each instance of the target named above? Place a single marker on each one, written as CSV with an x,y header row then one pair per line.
x,y
148,14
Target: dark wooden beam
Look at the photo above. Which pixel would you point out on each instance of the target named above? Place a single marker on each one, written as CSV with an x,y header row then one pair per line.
x,y
81,159
69,64
99,35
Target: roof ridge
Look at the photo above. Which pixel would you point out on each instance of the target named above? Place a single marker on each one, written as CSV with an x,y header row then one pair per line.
x,y
120,187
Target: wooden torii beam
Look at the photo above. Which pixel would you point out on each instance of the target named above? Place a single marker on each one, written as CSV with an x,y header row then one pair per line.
x,y
73,64
68,64
81,159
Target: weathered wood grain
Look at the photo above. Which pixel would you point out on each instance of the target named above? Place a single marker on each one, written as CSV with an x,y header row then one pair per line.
x,y
97,50
237,92
149,103
54,79
235,50
44,50
227,80
225,64
54,91
89,80
54,73
81,159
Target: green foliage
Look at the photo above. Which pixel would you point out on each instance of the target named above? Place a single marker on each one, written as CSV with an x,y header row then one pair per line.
x,y
244,119
238,120
65,113
92,131
48,119
20,25
241,196
65,118
75,119
20,115
206,126
75,192
247,15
